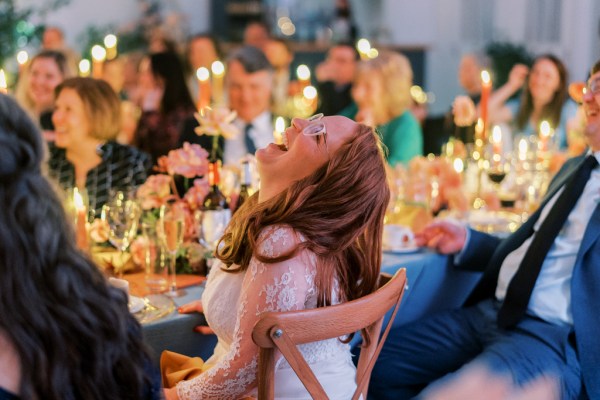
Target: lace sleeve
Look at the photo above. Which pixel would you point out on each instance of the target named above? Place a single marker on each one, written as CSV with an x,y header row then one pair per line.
x,y
266,287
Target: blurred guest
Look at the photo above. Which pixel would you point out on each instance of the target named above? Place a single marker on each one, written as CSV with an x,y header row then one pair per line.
x,y
257,34
311,237
469,77
53,38
165,102
533,312
65,333
544,98
334,78
249,84
87,117
381,91
280,55
35,91
202,51
113,72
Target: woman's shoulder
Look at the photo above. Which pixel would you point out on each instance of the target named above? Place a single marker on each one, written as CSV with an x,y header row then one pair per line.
x,y
126,152
275,240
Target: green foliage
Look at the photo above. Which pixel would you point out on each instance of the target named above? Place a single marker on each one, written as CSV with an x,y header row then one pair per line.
x,y
503,56
13,27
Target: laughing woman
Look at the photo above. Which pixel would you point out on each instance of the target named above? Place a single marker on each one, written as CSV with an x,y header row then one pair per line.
x,y
85,154
310,237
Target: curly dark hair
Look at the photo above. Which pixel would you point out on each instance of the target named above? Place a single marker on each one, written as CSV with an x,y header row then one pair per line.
x,y
72,331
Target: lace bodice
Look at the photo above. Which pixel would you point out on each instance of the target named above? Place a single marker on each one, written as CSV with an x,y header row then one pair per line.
x,y
232,305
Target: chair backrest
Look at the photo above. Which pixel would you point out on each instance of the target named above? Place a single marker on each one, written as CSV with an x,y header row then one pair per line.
x,y
285,330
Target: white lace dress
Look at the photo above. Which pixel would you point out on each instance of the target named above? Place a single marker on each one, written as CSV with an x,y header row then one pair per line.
x,y
232,305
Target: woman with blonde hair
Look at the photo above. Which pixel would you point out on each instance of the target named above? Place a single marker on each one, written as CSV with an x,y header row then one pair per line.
x,y
85,154
310,237
381,92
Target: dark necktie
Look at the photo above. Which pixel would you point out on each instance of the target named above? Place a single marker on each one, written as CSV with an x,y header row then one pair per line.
x,y
250,147
520,287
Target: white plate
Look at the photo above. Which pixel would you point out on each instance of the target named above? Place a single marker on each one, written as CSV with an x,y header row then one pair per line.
x,y
136,304
403,250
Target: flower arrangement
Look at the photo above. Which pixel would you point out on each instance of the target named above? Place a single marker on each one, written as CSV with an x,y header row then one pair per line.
x,y
464,111
216,122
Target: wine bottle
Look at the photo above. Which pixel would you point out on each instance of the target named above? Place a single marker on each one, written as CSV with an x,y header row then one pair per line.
x,y
245,184
215,211
215,200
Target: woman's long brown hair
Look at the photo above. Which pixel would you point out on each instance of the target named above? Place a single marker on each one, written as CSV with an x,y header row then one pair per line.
x,y
339,210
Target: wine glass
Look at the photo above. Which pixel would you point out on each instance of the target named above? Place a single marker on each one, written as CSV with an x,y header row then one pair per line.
x,y
122,215
170,230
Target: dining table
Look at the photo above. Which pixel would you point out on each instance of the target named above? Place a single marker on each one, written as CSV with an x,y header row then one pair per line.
x,y
433,284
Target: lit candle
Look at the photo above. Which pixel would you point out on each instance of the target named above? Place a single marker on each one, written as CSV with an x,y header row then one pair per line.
x,y
486,88
364,47
496,140
458,165
22,58
310,96
84,68
279,128
98,57
303,74
203,87
81,220
218,72
544,136
3,85
110,42
522,148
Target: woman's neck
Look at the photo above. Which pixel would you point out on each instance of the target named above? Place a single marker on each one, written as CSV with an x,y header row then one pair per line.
x,y
84,158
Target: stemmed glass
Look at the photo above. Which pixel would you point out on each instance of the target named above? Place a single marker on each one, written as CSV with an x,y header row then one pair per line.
x,y
170,231
212,227
122,215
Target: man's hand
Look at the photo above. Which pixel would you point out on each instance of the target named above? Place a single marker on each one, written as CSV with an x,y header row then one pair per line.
x,y
442,236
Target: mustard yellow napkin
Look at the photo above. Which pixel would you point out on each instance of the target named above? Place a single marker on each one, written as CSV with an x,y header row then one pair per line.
x,y
175,367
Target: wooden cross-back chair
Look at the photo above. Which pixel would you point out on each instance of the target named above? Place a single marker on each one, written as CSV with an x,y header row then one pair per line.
x,y
283,331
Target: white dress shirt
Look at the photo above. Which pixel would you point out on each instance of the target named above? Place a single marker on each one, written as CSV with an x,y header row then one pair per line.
x,y
261,134
551,296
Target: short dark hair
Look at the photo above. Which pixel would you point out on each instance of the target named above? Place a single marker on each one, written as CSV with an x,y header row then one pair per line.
x,y
251,58
596,68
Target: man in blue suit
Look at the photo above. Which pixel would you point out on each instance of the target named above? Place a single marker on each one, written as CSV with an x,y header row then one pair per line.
x,y
535,311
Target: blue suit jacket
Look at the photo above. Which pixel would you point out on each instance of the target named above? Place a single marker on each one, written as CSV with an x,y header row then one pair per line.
x,y
486,251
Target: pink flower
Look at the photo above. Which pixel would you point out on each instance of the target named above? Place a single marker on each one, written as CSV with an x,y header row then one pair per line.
x,y
99,230
155,191
464,111
216,122
137,249
196,194
189,161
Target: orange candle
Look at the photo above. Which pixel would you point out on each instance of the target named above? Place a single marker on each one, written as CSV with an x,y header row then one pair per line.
x,y
204,89
303,74
218,72
98,57
486,88
81,221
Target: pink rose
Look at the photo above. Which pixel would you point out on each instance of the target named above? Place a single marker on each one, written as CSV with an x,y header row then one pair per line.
x,y
464,111
196,194
155,191
189,161
137,249
99,230
218,121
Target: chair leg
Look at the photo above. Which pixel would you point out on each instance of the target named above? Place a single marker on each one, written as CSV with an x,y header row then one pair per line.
x,y
266,374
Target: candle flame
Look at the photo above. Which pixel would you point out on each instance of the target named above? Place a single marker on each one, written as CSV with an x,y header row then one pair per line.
x,y
217,68
496,134
22,57
458,165
310,92
485,77
98,53
3,85
84,67
202,74
302,72
78,200
110,40
545,128
279,124
363,46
